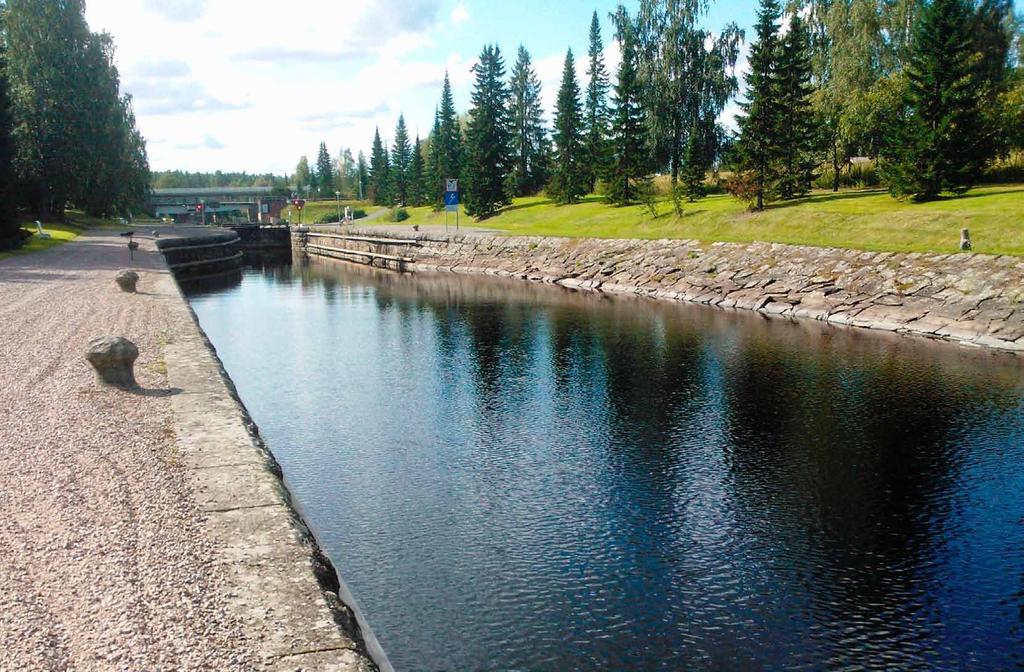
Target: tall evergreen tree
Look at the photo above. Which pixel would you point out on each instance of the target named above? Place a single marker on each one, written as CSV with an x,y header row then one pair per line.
x,y
451,152
401,156
362,177
435,164
758,144
569,170
942,143
797,129
693,169
596,107
529,137
417,176
379,184
630,155
324,172
488,138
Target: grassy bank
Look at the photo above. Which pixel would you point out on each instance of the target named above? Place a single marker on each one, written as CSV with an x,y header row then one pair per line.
x,y
314,209
869,220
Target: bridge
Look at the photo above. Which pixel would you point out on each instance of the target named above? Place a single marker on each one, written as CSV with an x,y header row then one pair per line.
x,y
251,204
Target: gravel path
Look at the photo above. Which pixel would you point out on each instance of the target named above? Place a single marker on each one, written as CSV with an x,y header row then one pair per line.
x,y
104,560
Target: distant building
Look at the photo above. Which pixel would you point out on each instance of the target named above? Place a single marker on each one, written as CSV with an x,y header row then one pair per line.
x,y
224,203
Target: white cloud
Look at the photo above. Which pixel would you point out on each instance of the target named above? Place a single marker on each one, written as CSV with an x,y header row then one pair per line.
x,y
460,14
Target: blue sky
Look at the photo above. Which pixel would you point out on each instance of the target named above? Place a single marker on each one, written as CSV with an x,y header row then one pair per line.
x,y
251,86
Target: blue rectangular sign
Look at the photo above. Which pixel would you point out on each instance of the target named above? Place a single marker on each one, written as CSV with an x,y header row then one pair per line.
x,y
451,200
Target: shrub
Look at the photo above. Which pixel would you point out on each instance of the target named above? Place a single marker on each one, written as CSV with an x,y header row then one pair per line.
x,y
358,213
742,185
399,215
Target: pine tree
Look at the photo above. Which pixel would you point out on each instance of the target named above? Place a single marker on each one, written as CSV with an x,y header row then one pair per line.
x,y
417,176
942,143
758,144
693,168
529,137
796,116
629,150
488,138
401,155
324,172
596,108
378,191
569,170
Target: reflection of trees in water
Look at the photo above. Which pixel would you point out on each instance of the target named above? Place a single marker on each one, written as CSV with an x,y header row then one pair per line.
x,y
851,464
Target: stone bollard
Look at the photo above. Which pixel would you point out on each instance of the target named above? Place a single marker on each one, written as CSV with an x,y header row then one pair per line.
x,y
113,357
127,280
965,240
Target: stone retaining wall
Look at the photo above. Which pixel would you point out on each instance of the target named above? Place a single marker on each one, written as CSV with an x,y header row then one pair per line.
x,y
211,252
969,298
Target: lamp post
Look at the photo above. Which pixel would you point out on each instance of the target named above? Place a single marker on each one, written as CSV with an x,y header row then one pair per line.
x,y
337,200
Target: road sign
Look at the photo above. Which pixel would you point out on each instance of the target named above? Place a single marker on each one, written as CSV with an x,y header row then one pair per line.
x,y
451,201
451,185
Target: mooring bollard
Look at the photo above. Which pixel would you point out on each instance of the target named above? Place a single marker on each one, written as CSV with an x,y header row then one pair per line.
x,y
113,357
965,240
127,280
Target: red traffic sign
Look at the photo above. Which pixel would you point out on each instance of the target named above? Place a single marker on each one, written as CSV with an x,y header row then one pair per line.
x,y
199,207
298,203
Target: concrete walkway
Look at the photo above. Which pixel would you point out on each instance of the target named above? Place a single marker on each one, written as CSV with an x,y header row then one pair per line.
x,y
140,530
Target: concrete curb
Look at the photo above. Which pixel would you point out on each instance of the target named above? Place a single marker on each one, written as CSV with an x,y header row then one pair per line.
x,y
284,590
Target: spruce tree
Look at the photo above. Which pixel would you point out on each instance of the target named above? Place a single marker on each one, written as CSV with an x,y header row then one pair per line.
x,y
401,156
797,130
942,144
362,177
529,137
324,172
758,144
488,138
596,107
451,146
569,170
378,176
629,150
435,165
417,176
693,168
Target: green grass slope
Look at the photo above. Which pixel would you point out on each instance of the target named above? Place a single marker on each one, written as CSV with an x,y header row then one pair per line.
x,y
868,220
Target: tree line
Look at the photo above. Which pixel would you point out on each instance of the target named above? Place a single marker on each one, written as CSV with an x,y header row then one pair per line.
x,y
67,132
929,92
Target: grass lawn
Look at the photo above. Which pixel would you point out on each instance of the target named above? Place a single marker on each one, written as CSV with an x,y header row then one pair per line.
x,y
59,234
868,220
313,209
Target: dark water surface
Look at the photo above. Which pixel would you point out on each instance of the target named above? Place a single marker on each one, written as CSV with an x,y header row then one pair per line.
x,y
519,477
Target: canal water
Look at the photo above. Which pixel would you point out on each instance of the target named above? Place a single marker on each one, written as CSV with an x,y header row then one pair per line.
x,y
518,477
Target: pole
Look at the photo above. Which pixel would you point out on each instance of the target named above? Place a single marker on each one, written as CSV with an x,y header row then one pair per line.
x,y
337,199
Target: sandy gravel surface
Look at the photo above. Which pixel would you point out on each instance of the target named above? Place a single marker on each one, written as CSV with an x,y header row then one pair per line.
x,y
104,562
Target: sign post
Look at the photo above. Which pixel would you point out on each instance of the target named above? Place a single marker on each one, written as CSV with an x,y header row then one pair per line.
x,y
451,202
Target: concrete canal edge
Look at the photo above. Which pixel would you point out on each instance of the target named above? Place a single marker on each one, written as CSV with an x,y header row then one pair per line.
x,y
971,299
284,590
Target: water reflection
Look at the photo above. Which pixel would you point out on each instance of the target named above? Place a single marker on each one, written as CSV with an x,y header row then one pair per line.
x,y
520,477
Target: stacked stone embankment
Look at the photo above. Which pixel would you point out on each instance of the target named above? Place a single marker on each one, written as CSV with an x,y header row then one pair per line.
x,y
968,298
